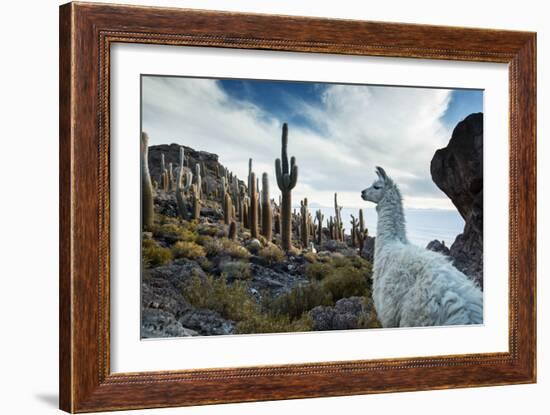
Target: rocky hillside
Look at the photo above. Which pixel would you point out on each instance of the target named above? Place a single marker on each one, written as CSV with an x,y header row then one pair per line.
x,y
457,170
214,263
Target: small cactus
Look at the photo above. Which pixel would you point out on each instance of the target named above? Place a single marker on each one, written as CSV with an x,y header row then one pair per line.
x,y
147,206
287,176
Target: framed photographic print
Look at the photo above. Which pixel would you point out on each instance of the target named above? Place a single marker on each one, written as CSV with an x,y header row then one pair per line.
x,y
260,207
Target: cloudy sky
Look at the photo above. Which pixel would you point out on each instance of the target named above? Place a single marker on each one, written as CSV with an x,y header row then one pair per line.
x,y
338,133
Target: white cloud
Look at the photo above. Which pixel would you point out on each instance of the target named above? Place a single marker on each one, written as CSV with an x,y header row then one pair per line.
x,y
359,127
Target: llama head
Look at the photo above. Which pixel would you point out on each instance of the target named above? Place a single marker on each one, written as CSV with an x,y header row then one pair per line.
x,y
376,192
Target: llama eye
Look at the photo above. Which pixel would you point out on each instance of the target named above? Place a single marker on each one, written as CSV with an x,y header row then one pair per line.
x,y
376,187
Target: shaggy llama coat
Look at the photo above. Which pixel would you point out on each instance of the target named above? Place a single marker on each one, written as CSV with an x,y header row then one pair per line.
x,y
413,286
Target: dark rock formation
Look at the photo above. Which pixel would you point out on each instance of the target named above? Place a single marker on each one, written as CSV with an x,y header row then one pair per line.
x,y
164,311
458,171
368,249
347,313
438,246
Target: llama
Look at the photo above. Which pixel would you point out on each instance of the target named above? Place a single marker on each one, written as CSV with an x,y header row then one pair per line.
x,y
413,286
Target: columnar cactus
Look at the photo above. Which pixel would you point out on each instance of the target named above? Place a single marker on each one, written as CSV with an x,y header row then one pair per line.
x,y
331,228
354,230
304,225
184,179
287,176
266,209
253,213
227,209
171,179
246,205
196,202
337,217
232,233
249,175
277,223
362,232
147,207
319,217
198,180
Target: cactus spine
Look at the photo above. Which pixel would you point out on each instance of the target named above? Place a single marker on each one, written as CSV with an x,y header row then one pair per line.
x,y
147,207
266,209
287,176
253,213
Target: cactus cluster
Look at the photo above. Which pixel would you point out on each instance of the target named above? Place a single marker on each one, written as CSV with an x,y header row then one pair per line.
x,y
247,204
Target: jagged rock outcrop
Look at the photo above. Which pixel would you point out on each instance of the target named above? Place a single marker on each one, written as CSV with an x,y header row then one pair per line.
x,y
458,171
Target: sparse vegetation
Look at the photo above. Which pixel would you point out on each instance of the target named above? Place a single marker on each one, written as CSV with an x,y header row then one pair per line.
x,y
189,250
271,253
154,255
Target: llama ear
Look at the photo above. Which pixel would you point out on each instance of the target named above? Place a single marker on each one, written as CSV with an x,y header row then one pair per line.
x,y
381,173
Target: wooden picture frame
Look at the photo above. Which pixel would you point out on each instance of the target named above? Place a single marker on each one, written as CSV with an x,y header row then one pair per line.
x,y
86,33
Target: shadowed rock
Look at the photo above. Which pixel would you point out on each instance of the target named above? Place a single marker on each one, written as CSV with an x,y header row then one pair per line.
x,y
458,171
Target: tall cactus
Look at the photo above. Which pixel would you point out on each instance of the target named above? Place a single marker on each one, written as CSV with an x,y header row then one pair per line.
x,y
196,202
287,176
198,180
319,217
183,184
227,209
253,213
266,209
337,218
147,207
354,230
362,232
305,229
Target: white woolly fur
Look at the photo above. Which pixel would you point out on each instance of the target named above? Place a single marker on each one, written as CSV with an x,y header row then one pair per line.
x,y
413,286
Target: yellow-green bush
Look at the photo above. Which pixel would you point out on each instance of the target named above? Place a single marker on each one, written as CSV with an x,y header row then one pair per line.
x,y
234,249
345,282
232,301
271,253
190,250
268,323
310,257
207,229
236,270
317,270
300,300
154,255
177,231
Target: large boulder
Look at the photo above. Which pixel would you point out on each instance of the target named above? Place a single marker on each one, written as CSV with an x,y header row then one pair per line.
x,y
347,313
458,171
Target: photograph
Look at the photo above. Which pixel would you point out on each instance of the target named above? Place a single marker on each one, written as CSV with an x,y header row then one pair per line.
x,y
273,206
